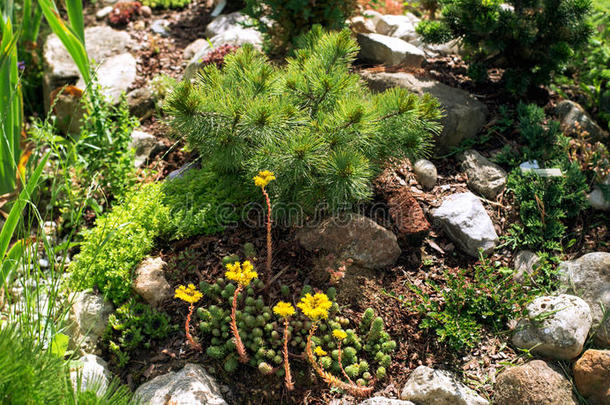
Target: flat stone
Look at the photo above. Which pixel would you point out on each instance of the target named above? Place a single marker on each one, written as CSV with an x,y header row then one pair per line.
x,y
150,282
592,376
425,173
190,386
224,23
588,277
525,263
355,237
466,222
574,118
536,383
555,327
389,50
385,401
464,114
484,177
438,387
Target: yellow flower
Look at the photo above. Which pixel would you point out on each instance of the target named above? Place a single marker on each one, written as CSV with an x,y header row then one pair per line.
x,y
283,309
339,334
315,307
319,351
242,273
263,178
188,294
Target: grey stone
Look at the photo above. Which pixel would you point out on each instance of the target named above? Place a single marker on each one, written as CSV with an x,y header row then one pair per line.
x,y
160,27
115,75
59,69
224,23
144,145
194,47
425,173
597,199
190,386
555,327
588,277
103,12
385,401
427,386
146,11
361,24
394,25
88,318
141,101
466,222
355,237
534,383
90,372
150,282
484,177
525,263
572,117
389,50
464,115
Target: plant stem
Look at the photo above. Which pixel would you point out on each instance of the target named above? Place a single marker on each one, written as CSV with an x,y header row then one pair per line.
x,y
241,350
269,247
194,345
341,364
289,382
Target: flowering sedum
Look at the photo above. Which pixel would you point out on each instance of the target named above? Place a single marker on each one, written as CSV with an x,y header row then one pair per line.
x,y
315,307
319,351
284,309
188,294
339,334
242,273
263,178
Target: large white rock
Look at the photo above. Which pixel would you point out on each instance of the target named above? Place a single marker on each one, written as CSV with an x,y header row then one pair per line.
x,y
555,327
427,386
115,75
465,220
395,24
464,115
224,23
150,282
90,372
190,386
588,277
484,177
389,50
88,318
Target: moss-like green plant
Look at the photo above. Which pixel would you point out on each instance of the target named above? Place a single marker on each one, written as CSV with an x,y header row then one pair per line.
x,y
166,3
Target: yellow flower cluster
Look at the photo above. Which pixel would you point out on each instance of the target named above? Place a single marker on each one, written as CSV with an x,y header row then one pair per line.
x,y
339,334
263,178
319,351
242,273
188,294
283,309
315,307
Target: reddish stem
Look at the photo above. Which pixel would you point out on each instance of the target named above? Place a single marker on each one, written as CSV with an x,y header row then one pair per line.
x,y
269,247
241,350
341,364
194,345
289,382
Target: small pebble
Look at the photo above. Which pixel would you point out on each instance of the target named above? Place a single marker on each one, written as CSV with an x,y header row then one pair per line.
x,y
146,11
102,13
426,174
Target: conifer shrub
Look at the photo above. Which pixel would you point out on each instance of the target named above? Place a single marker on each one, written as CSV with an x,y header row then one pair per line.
x,y
530,39
312,122
283,22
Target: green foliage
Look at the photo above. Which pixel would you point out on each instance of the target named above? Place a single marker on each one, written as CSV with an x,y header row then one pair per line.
x,y
293,19
134,325
166,3
487,297
312,123
531,39
262,333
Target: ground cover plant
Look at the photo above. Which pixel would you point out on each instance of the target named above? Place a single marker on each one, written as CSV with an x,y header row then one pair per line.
x,y
311,123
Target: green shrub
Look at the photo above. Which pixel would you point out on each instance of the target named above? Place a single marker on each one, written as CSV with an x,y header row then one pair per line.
x,y
531,39
292,19
134,325
312,123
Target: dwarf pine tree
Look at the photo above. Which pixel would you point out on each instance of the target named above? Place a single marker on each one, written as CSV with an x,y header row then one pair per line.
x,y
311,122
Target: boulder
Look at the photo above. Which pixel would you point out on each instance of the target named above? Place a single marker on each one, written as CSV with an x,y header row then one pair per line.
x,y
484,177
390,51
555,327
385,401
194,47
464,115
534,383
224,23
592,376
115,75
573,118
597,199
150,282
141,101
361,24
89,373
588,277
190,386
466,222
525,263
102,43
396,25
425,173
145,145
427,386
352,236
88,318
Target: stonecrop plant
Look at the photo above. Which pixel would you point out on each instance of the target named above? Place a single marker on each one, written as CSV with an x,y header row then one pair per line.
x,y
312,123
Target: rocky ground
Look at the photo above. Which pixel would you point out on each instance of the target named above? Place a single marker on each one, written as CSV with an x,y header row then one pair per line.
x,y
436,216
